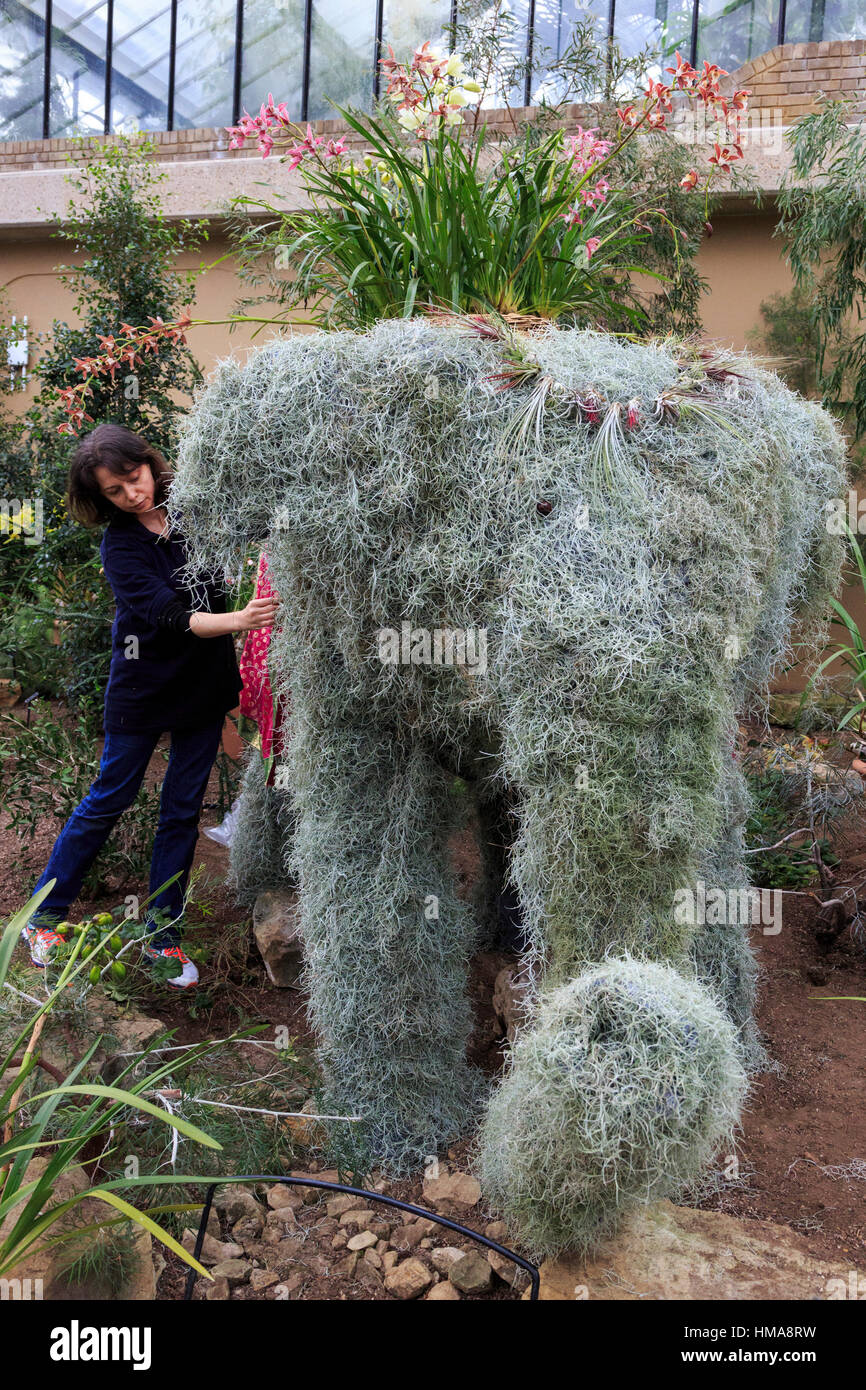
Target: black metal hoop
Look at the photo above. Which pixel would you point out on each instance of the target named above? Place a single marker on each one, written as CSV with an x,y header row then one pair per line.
x,y
531,1269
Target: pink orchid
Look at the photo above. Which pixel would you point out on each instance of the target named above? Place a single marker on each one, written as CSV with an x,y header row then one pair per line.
x,y
592,244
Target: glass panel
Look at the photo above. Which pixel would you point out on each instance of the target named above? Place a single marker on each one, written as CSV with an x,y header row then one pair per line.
x,y
554,27
407,23
810,21
507,85
22,52
204,70
78,33
139,64
664,25
730,32
342,40
273,54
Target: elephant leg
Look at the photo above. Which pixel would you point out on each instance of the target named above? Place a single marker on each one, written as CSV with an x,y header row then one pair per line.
x,y
257,856
387,941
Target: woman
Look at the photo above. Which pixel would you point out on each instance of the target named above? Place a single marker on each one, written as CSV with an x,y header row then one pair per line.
x,y
173,668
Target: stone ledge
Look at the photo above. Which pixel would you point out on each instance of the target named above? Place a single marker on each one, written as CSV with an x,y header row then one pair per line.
x,y
665,1252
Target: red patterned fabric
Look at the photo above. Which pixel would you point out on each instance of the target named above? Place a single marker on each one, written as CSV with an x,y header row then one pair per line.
x,y
257,701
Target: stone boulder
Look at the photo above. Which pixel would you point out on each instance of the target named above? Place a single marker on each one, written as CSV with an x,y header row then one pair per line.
x,y
668,1252
509,999
275,927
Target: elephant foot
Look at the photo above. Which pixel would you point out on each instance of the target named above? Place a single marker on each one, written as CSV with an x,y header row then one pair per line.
x,y
620,1092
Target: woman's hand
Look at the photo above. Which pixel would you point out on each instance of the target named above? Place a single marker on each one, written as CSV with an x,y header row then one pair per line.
x,y
259,613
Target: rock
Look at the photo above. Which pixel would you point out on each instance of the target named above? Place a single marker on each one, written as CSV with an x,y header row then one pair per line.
x,y
357,1217
280,1219
408,1280
389,1259
263,1278
326,1175
471,1274
445,1257
275,927
496,1230
10,693
350,1264
340,1240
362,1241
372,1258
236,1202
343,1203
217,1291
454,1187
249,1228
280,1196
510,1273
509,998
307,1132
367,1275
405,1238
236,1271
443,1293
667,1252
788,710
288,1286
212,1251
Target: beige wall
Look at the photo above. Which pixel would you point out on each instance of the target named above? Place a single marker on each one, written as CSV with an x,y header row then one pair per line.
x,y
742,262
30,277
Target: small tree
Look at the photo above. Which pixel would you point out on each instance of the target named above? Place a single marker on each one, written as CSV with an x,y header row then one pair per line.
x,y
823,220
128,274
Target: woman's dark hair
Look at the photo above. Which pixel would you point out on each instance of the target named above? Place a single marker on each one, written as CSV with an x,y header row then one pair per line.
x,y
120,451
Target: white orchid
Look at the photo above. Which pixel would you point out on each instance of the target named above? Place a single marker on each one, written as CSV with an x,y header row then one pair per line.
x,y
457,97
409,119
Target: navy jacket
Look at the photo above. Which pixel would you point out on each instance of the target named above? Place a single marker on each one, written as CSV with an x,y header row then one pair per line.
x,y
162,677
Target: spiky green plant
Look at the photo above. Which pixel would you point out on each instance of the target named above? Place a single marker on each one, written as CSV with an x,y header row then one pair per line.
x,y
29,1208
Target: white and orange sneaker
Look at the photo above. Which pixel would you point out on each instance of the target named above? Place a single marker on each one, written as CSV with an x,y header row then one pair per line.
x,y
188,972
42,941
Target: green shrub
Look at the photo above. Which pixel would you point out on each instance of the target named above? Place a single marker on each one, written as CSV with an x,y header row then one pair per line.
x,y
47,765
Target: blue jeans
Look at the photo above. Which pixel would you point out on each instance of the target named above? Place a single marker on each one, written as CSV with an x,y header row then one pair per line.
x,y
124,761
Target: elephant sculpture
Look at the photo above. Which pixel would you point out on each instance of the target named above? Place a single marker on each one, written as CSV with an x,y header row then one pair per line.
x,y
551,566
